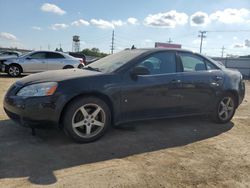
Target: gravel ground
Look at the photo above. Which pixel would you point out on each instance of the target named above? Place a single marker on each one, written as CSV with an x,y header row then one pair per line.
x,y
183,152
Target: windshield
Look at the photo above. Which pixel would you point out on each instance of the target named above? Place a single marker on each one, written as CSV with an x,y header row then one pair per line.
x,y
26,54
219,64
113,62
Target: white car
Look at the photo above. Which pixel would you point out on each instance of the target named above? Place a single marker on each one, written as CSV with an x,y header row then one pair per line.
x,y
39,61
9,53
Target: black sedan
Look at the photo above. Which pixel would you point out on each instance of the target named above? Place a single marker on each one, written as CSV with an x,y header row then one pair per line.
x,y
128,86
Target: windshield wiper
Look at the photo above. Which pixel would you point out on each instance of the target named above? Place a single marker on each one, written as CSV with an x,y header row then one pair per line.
x,y
92,68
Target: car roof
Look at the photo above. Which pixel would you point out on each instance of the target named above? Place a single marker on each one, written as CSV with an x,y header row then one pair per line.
x,y
160,49
48,51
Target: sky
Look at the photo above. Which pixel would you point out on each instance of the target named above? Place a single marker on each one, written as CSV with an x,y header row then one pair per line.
x,y
44,24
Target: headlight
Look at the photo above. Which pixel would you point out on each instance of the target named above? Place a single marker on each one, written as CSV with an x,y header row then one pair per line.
x,y
41,89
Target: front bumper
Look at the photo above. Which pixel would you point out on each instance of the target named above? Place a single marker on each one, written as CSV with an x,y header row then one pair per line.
x,y
3,67
241,91
33,111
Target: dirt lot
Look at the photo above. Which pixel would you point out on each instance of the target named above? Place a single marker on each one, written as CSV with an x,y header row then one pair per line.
x,y
186,152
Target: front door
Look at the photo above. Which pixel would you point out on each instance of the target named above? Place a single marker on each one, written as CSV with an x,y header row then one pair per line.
x,y
154,95
35,62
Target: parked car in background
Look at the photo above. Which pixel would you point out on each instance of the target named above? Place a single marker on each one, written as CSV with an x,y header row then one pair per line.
x,y
79,55
38,61
90,59
127,86
10,53
6,54
86,59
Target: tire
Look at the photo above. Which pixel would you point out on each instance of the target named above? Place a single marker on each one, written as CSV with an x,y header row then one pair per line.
x,y
14,70
86,119
68,67
80,66
225,108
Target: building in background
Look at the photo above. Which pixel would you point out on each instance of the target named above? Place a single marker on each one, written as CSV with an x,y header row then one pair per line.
x,y
166,45
242,64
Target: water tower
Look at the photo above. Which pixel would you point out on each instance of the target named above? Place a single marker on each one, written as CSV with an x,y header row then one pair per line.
x,y
76,43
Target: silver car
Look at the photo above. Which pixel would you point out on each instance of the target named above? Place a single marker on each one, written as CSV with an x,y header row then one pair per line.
x,y
7,53
38,61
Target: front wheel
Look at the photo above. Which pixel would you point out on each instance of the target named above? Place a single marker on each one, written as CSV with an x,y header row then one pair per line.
x,y
86,119
225,109
14,71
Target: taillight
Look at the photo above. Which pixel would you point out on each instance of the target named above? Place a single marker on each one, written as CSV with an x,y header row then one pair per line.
x,y
82,62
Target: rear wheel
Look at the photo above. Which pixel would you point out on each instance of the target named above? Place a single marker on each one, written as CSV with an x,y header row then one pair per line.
x,y
225,108
14,70
86,119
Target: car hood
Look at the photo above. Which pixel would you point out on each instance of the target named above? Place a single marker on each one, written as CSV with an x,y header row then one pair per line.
x,y
56,76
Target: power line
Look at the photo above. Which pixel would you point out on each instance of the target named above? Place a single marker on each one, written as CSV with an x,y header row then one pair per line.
x,y
227,31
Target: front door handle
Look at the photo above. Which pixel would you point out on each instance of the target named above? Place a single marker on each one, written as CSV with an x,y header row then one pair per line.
x,y
176,81
217,78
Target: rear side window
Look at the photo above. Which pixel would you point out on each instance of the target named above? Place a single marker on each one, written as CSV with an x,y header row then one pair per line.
x,y
160,63
39,55
51,55
192,62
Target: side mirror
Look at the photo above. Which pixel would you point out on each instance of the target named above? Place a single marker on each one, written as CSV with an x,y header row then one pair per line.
x,y
140,70
29,58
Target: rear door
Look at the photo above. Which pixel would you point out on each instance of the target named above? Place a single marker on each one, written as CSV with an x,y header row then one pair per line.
x,y
35,62
55,60
200,81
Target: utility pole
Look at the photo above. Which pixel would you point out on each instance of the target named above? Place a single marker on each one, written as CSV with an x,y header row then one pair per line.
x,y
222,51
170,41
201,35
112,42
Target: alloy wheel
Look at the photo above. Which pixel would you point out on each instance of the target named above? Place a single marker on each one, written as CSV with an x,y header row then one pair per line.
x,y
14,71
226,108
88,120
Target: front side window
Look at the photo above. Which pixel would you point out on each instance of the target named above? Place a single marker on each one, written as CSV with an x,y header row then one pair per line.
x,y
210,66
39,55
192,62
160,63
